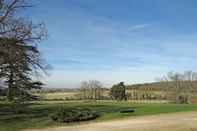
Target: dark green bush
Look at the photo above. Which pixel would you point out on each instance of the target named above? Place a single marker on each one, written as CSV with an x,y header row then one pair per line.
x,y
74,115
127,111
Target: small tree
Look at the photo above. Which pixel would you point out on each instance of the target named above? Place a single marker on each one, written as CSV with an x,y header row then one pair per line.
x,y
118,92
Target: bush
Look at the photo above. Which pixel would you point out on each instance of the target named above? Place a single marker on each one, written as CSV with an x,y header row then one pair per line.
x,y
73,115
127,111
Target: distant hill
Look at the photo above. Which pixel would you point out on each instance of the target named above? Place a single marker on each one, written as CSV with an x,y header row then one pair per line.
x,y
155,86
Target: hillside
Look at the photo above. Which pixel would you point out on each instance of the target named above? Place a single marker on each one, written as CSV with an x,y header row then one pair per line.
x,y
158,86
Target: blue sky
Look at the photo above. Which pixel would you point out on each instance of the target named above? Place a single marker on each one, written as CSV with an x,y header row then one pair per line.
x,y
133,41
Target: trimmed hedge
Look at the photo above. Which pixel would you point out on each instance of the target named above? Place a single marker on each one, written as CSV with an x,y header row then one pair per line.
x,y
64,115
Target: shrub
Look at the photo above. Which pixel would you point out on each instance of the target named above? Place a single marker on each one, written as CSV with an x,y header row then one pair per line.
x,y
127,111
74,115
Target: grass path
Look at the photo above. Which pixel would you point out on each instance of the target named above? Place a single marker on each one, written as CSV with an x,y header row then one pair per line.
x,y
163,122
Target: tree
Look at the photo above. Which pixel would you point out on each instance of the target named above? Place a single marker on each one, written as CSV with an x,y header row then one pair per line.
x,y
84,89
118,92
20,61
9,14
19,55
179,86
91,89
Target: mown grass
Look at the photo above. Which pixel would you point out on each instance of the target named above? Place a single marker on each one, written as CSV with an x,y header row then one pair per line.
x,y
36,115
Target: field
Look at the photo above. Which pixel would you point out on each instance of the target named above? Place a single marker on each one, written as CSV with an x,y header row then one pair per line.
x,y
58,95
36,114
65,95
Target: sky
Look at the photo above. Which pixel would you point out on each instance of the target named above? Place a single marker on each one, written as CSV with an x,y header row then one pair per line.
x,y
134,41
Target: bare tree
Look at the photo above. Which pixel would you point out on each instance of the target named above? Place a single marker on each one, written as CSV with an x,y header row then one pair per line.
x,y
9,13
179,86
190,79
84,90
91,89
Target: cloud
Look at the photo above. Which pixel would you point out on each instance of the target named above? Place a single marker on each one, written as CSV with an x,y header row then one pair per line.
x,y
111,27
85,46
139,27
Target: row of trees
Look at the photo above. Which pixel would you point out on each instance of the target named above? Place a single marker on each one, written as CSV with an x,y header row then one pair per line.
x,y
20,58
91,89
94,90
177,87
180,86
134,94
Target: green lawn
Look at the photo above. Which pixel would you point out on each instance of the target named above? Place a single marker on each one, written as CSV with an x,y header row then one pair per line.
x,y
36,115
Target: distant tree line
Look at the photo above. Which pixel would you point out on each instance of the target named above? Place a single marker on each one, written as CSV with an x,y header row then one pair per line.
x,y
173,87
94,90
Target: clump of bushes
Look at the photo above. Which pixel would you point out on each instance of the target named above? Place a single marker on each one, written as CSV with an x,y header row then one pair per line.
x,y
64,115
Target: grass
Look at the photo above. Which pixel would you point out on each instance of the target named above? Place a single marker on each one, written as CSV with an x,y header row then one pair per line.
x,y
36,115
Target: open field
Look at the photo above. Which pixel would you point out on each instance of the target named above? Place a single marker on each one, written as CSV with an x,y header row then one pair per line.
x,y
58,95
65,95
164,122
36,114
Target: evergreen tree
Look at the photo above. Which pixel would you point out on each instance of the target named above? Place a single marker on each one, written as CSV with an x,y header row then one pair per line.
x,y
118,92
20,58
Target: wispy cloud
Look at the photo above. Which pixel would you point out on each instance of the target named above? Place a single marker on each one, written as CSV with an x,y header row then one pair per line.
x,y
94,40
114,27
139,27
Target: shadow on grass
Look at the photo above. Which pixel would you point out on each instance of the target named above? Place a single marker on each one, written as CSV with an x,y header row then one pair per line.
x,y
28,111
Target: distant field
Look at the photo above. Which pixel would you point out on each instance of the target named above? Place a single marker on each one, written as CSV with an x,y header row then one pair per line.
x,y
36,114
58,95
73,94
63,95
